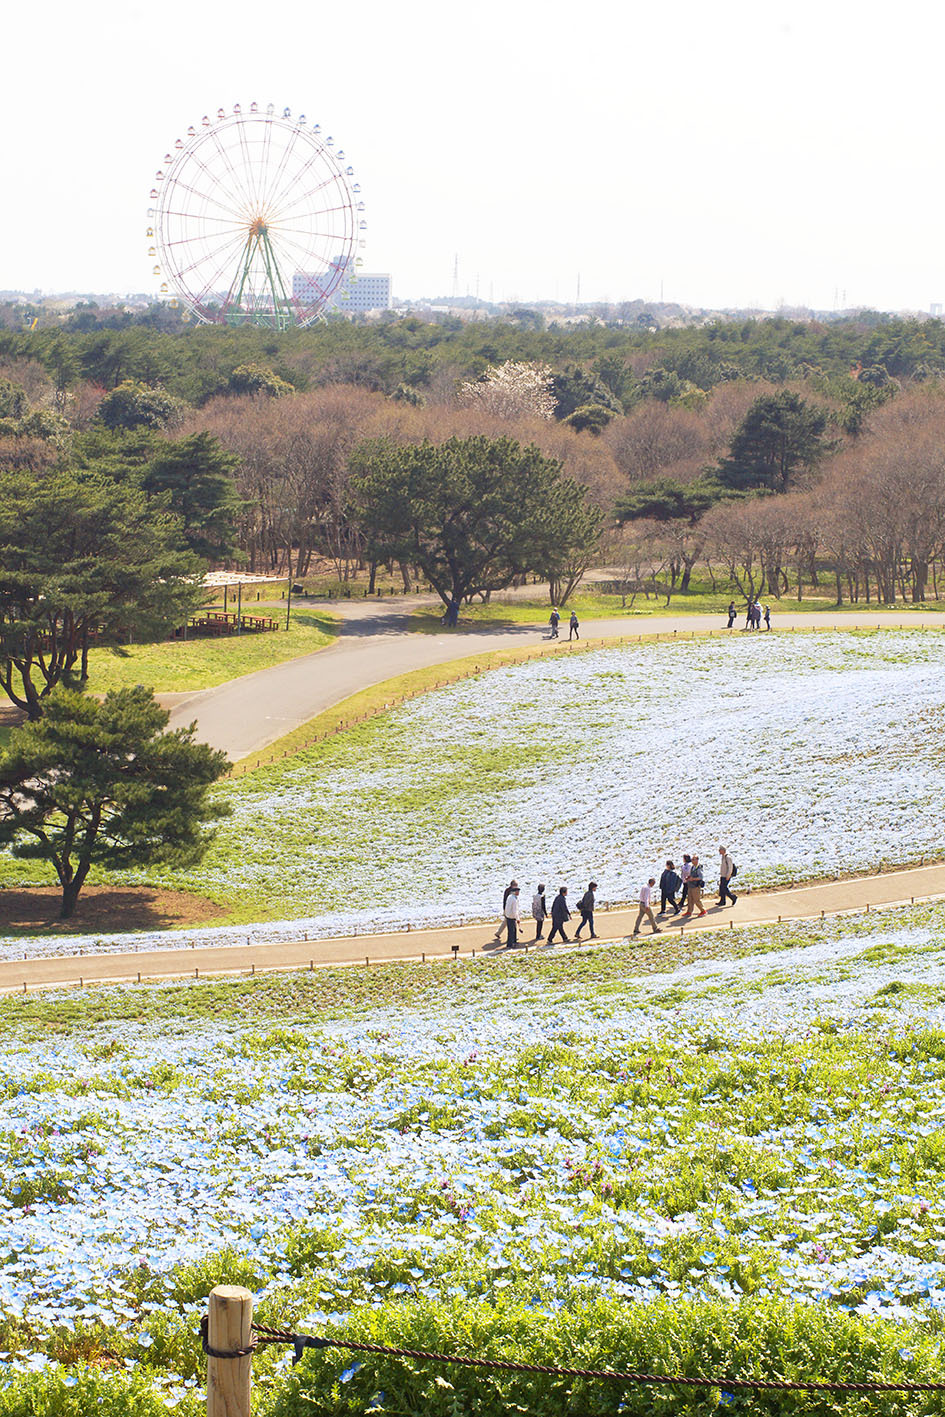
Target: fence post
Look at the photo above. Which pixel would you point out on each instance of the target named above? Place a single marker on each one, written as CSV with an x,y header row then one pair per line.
x,y
229,1328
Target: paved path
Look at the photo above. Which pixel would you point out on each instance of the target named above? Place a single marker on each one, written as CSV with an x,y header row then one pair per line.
x,y
375,643
801,903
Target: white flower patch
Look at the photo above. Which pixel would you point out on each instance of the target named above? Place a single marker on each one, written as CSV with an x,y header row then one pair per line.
x,y
806,755
496,1135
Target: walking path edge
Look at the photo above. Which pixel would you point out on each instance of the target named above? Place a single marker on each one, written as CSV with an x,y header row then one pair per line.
x,y
848,896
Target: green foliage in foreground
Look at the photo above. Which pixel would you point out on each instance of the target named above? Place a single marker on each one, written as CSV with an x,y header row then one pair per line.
x,y
87,1393
767,1341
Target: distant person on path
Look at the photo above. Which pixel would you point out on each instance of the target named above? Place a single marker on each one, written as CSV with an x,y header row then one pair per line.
x,y
574,632
559,914
511,912
646,908
731,614
512,886
757,615
586,907
696,884
539,911
670,881
767,617
553,620
685,872
726,872
750,616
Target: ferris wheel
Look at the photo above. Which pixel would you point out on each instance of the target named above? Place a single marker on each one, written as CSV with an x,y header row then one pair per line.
x,y
256,220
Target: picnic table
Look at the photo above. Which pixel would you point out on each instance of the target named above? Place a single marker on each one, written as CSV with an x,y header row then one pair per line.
x,y
223,622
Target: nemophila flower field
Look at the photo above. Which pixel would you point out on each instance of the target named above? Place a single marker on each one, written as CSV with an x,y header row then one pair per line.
x,y
635,1156
807,754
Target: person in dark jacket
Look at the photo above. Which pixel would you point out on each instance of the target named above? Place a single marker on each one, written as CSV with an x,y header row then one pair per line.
x,y
539,910
586,907
559,914
670,881
731,614
574,632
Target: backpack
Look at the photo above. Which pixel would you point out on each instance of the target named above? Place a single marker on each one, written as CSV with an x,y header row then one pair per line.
x,y
734,872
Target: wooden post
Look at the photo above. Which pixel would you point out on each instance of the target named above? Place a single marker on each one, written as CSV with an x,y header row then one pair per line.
x,y
230,1328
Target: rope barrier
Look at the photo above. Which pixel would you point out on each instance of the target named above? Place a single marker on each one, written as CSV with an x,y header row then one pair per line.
x,y
300,1341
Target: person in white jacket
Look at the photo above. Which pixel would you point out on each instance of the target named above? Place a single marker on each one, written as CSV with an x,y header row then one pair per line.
x,y
512,915
646,907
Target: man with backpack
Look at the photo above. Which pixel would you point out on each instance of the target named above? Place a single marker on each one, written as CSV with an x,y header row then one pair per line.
x,y
586,907
670,881
553,620
727,869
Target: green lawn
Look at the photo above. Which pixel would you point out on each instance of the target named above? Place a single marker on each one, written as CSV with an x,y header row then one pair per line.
x,y
604,607
203,663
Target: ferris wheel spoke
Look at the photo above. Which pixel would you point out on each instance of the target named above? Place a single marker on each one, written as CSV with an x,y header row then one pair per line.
x,y
230,257
179,185
313,211
282,241
300,223
286,189
230,248
188,216
293,198
275,184
238,183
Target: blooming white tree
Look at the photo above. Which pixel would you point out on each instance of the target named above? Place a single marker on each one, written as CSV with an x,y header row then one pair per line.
x,y
515,389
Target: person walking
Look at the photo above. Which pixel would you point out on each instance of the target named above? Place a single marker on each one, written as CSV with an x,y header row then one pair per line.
x,y
767,617
539,911
511,912
512,886
726,872
696,884
574,632
553,620
685,871
586,907
750,615
731,614
670,881
646,907
559,914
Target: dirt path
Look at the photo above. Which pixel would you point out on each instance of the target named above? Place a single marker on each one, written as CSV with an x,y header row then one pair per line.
x,y
375,643
801,903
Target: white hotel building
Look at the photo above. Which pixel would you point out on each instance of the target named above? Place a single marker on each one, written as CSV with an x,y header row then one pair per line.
x,y
355,295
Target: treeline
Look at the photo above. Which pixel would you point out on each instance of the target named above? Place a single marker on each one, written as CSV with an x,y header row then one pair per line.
x,y
828,477
195,363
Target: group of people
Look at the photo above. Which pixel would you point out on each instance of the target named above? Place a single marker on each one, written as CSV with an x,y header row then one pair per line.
x,y
753,615
574,625
559,913
688,883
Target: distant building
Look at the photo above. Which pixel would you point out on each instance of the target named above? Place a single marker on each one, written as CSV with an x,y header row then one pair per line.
x,y
354,295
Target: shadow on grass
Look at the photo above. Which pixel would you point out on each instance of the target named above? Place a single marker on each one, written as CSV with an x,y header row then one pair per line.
x,y
105,910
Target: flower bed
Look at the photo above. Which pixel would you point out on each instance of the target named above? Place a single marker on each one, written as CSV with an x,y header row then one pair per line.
x,y
546,1132
807,755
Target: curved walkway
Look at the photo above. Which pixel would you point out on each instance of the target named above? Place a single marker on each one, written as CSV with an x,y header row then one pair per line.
x,y
799,903
376,643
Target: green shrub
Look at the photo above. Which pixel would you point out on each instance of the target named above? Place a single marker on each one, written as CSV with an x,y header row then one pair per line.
x,y
754,1340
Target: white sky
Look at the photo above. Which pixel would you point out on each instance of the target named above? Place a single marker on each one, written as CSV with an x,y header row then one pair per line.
x,y
732,153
